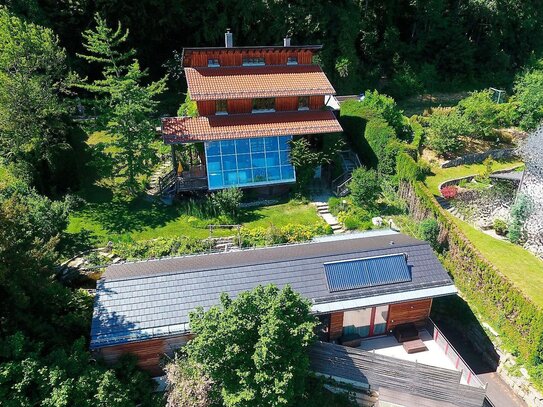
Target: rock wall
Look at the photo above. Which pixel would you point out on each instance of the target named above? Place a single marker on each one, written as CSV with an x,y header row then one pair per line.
x,y
476,158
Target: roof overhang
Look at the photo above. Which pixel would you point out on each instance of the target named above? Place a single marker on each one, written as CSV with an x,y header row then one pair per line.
x,y
237,82
373,301
229,127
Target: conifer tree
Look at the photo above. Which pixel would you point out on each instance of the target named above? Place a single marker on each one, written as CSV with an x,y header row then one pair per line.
x,y
125,103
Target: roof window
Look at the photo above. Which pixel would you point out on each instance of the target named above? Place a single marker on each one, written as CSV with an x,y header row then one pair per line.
x,y
254,61
213,63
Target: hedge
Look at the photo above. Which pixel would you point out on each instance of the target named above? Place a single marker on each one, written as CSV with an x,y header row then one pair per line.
x,y
484,286
407,168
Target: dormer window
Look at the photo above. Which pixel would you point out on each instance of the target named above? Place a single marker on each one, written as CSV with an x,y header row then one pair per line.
x,y
303,103
292,61
255,61
213,63
263,105
221,107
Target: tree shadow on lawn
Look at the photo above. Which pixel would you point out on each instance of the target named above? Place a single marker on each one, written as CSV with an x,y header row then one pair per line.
x,y
123,215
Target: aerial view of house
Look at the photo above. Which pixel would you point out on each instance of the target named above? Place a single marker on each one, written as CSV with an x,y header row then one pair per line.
x,y
251,101
271,204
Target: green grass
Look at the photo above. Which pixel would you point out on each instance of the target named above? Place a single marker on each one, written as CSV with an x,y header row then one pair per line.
x,y
440,175
523,268
141,220
109,215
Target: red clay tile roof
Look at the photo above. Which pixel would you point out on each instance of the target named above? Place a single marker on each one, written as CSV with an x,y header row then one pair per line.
x,y
245,82
208,128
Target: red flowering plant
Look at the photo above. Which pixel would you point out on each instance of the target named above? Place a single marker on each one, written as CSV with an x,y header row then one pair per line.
x,y
449,192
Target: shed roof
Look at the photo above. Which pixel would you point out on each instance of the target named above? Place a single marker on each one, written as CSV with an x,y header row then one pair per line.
x,y
244,82
228,127
143,300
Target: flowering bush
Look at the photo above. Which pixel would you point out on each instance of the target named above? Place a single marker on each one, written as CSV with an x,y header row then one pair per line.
x,y
449,192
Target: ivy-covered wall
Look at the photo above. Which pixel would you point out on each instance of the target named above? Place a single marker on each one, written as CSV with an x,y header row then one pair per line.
x,y
485,288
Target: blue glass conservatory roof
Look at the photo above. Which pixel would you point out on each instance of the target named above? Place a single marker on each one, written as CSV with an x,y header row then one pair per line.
x,y
249,162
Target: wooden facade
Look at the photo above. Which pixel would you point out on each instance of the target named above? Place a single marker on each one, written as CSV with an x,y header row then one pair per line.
x,y
405,312
239,106
234,56
286,103
148,352
336,325
235,106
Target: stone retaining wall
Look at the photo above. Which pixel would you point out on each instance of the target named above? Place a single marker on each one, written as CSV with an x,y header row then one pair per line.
x,y
476,158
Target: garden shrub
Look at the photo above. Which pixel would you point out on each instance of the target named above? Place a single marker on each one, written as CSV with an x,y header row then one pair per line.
x,y
449,192
418,133
291,233
519,213
226,202
385,107
160,247
404,83
445,128
500,227
356,218
481,111
429,231
529,97
365,187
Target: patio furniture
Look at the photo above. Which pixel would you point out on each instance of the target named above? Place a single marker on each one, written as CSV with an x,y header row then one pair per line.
x,y
414,346
406,332
351,340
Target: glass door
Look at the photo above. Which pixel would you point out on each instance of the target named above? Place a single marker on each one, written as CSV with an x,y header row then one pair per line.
x,y
357,322
380,320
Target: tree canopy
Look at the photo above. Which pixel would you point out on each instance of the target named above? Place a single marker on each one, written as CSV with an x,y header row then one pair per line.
x,y
254,347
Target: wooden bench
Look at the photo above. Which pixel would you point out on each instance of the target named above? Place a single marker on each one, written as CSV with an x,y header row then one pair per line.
x,y
414,346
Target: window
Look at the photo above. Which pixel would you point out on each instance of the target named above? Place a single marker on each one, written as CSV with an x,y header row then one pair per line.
x,y
292,61
213,63
255,61
221,107
303,103
264,105
249,162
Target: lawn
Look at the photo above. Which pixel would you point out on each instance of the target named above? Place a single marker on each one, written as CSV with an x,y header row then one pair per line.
x,y
440,175
141,220
107,214
523,268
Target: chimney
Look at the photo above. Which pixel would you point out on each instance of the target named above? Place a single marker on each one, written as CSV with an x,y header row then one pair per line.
x,y
286,42
228,39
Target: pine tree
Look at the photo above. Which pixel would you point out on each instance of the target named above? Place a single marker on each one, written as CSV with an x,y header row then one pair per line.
x,y
127,104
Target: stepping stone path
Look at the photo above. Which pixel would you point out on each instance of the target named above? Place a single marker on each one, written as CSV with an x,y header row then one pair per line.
x,y
324,212
445,204
164,168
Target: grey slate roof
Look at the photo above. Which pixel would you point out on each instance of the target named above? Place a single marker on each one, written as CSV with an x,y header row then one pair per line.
x,y
141,300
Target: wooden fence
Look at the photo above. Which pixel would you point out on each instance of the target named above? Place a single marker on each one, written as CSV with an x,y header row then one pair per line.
x,y
359,366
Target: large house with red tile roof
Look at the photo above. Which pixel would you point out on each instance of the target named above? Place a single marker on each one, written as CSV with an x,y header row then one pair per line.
x,y
251,101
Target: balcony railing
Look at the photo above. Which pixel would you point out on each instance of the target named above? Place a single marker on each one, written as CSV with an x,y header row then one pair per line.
x,y
460,364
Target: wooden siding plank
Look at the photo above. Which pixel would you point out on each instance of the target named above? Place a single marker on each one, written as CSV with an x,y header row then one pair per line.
x,y
286,103
239,106
406,312
206,107
316,102
336,325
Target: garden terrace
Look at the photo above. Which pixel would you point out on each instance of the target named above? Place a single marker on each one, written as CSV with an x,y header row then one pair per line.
x,y
228,127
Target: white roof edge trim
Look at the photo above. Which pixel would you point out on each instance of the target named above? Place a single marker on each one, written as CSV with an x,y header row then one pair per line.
x,y
384,299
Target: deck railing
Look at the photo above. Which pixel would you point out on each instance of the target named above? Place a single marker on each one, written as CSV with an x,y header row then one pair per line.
x,y
459,363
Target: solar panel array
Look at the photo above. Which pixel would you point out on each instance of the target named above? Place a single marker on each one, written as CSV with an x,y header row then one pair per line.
x,y
367,272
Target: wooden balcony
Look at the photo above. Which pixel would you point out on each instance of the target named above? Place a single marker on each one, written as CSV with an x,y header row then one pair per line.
x,y
192,179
